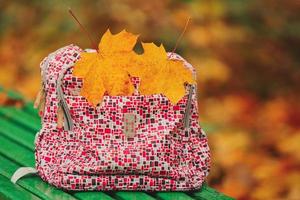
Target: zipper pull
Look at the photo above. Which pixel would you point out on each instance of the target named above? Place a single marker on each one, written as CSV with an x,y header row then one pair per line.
x,y
39,102
60,116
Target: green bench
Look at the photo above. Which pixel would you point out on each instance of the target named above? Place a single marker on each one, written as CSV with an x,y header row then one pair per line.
x,y
17,131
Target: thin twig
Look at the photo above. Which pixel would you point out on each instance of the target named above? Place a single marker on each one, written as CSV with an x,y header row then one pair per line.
x,y
93,43
180,37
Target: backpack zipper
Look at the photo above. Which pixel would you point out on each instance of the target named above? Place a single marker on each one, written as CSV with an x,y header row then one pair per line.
x,y
68,123
188,108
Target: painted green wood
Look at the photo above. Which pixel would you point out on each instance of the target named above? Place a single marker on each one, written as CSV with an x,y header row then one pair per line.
x,y
128,195
10,191
14,95
173,196
21,136
92,195
32,184
207,193
28,105
8,167
28,108
20,117
13,151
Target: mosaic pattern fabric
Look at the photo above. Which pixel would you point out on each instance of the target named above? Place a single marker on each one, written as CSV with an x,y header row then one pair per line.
x,y
96,155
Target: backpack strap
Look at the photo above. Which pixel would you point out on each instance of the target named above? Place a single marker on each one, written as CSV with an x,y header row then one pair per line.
x,y
190,88
21,172
53,68
187,113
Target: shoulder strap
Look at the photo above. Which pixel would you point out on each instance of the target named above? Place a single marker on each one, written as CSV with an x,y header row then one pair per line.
x,y
191,89
53,68
21,172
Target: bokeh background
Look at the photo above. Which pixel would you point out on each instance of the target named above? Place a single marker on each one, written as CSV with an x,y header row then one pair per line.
x,y
247,58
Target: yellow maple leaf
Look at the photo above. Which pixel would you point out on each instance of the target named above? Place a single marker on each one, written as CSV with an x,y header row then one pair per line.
x,y
122,42
105,71
161,75
109,69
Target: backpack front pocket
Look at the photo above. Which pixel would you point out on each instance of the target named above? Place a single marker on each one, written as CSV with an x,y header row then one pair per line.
x,y
108,150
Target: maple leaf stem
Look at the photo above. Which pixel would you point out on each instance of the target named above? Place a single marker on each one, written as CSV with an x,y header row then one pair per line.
x,y
84,30
181,35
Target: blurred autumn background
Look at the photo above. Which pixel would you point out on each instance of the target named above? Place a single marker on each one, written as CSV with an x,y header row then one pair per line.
x,y
247,58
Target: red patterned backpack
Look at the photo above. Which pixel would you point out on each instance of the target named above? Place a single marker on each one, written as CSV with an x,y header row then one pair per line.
x,y
133,142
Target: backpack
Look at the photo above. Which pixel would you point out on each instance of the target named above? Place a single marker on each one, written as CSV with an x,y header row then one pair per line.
x,y
133,142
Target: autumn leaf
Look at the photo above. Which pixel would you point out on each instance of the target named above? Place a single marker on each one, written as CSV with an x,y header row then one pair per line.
x,y
151,68
109,70
106,71
159,74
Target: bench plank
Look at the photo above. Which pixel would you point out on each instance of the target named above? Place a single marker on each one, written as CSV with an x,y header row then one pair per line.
x,y
128,195
91,195
173,196
11,191
20,154
32,183
19,135
207,193
23,119
29,109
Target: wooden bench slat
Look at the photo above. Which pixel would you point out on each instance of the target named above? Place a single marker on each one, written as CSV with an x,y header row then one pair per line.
x,y
91,195
20,118
29,109
207,193
21,136
173,196
128,195
13,94
15,152
21,113
10,191
32,183
28,105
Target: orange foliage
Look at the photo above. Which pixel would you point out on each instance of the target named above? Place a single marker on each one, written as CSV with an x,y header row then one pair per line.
x,y
246,54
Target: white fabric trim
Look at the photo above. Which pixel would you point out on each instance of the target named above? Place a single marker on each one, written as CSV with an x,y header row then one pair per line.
x,y
22,171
